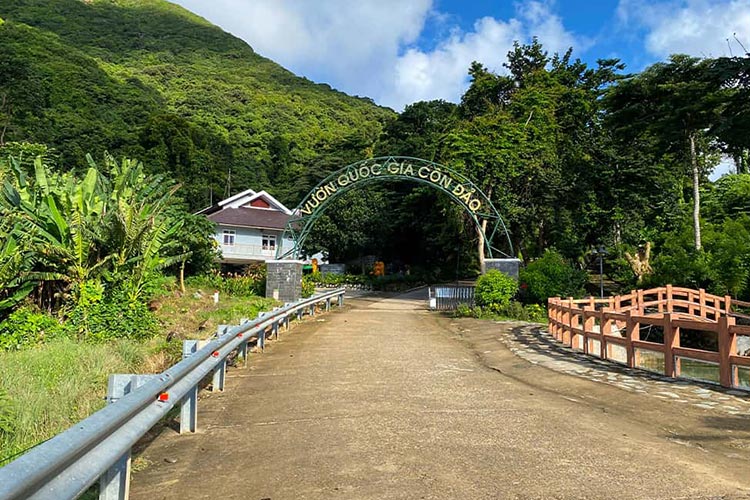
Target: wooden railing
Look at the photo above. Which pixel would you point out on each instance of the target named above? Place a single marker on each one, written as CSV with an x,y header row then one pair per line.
x,y
612,328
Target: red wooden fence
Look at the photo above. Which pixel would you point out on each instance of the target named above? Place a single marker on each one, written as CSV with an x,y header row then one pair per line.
x,y
601,327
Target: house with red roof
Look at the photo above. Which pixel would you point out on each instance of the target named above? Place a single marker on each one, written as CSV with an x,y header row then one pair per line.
x,y
249,227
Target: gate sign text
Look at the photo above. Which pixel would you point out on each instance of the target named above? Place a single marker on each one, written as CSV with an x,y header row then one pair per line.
x,y
423,173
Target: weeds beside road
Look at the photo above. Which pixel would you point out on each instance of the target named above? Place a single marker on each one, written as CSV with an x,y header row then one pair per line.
x,y
46,389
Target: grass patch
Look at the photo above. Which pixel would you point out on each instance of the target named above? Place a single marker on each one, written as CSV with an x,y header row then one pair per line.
x,y
46,390
194,315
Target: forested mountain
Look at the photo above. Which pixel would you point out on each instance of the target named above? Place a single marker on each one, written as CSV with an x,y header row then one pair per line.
x,y
148,79
575,157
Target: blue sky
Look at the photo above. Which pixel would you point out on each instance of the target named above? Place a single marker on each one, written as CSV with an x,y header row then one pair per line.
x,y
401,51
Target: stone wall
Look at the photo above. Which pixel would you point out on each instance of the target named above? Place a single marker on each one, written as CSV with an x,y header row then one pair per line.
x,y
508,267
284,280
332,268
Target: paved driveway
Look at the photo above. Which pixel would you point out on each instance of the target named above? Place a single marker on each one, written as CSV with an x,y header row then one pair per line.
x,y
387,400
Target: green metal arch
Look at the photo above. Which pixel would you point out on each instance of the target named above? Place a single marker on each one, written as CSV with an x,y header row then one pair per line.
x,y
456,185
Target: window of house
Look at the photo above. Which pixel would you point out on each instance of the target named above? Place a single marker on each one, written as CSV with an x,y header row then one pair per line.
x,y
228,237
269,242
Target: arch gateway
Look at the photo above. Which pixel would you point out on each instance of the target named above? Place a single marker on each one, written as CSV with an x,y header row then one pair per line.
x,y
286,270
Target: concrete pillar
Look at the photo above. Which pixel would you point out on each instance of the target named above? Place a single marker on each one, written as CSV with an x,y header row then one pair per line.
x,y
508,267
284,280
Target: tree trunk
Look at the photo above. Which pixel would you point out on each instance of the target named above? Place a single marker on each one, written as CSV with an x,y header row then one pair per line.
x,y
480,244
182,277
696,193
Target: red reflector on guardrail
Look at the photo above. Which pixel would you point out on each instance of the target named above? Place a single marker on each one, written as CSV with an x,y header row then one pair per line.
x,y
239,335
215,354
164,396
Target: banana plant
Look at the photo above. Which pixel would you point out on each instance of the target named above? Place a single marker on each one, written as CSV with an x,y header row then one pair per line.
x,y
14,283
64,216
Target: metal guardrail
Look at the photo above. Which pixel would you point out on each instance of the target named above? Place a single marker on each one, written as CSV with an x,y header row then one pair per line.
x,y
98,447
449,297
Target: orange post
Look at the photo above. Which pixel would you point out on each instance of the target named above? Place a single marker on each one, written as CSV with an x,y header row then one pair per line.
x,y
605,326
727,347
670,303
550,316
631,333
671,340
589,315
576,321
565,337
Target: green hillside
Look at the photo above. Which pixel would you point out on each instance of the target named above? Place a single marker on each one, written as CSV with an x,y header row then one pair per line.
x,y
149,79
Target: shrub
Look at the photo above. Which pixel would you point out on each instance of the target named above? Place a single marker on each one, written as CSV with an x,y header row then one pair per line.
x,y
308,287
27,327
494,289
551,276
158,285
251,284
512,310
515,310
464,311
110,318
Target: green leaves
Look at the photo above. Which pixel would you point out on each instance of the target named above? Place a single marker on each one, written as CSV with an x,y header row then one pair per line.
x,y
495,289
114,229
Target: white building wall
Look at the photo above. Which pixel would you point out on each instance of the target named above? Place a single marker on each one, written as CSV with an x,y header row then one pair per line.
x,y
248,244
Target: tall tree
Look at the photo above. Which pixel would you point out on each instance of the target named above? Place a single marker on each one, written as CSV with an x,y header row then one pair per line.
x,y
676,103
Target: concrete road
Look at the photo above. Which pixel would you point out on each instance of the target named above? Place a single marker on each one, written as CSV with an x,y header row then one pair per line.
x,y
387,400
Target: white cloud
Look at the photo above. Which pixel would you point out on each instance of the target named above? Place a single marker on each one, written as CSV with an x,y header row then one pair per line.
x,y
695,27
368,47
442,72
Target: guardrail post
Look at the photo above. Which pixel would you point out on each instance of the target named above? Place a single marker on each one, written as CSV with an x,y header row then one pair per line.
x,y
286,323
219,378
189,412
727,348
341,300
328,304
114,484
671,340
262,339
276,330
312,309
243,353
